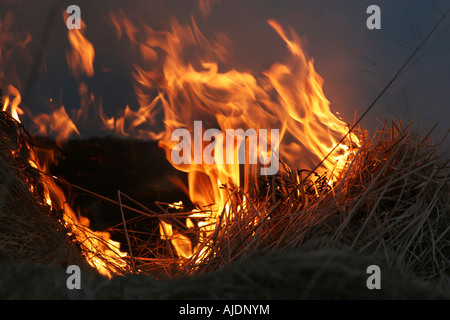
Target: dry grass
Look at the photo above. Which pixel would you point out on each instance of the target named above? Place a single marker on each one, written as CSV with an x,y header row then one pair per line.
x,y
300,274
392,199
29,230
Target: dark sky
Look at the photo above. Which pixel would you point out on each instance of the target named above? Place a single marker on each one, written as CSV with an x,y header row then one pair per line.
x,y
356,63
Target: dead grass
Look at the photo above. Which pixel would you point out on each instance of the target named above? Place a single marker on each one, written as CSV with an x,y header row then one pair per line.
x,y
29,230
392,199
289,275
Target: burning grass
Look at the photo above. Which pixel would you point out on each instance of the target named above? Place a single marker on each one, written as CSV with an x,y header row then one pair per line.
x,y
30,231
34,224
390,201
383,196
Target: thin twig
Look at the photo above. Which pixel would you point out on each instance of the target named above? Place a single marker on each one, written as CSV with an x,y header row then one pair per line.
x,y
126,231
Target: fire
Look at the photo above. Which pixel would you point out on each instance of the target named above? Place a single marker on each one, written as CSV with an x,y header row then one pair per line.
x,y
81,58
288,97
12,102
58,122
181,243
101,251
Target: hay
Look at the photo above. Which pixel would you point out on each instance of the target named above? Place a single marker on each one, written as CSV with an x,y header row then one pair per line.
x,y
392,199
299,274
389,206
29,230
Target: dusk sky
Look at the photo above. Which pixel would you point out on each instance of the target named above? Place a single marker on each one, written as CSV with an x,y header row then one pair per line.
x,y
356,63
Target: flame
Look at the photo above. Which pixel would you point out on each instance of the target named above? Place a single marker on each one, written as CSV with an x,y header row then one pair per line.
x,y
288,98
100,250
81,58
181,243
58,122
12,102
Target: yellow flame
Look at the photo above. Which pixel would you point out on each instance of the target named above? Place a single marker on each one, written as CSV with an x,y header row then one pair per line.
x,y
288,96
12,102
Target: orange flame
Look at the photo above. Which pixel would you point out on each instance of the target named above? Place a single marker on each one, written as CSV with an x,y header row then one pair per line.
x,y
12,102
58,122
81,58
181,243
288,97
100,250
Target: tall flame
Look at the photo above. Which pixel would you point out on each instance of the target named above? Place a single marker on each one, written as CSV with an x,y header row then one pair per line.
x,y
81,58
288,97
